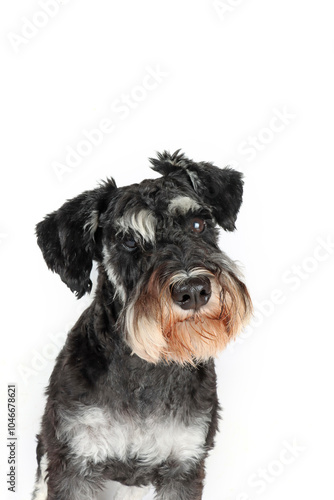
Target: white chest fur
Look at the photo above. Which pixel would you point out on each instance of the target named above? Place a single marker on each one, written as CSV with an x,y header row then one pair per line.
x,y
96,435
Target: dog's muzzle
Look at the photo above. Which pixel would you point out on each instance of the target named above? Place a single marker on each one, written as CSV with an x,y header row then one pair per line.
x,y
192,293
186,316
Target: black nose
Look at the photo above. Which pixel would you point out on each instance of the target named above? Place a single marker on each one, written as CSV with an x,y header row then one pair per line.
x,y
192,293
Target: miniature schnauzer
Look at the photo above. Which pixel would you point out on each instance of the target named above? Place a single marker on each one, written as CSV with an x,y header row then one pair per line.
x,y
132,397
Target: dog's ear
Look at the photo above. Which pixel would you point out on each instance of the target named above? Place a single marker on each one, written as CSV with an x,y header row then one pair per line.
x,y
69,237
221,189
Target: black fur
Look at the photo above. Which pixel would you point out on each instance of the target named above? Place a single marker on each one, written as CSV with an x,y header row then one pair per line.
x,y
221,189
65,241
96,366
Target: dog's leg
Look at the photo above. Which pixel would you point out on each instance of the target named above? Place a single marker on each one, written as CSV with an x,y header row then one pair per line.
x,y
182,486
71,488
130,492
59,483
41,488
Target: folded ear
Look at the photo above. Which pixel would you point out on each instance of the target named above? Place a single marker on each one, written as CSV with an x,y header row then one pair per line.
x,y
221,189
68,237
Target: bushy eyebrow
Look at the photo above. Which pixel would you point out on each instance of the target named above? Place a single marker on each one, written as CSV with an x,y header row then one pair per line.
x,y
181,205
142,224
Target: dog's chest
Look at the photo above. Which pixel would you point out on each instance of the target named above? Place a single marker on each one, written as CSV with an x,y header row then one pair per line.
x,y
94,434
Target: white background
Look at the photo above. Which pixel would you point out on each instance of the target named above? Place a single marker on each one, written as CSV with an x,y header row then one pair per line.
x,y
227,72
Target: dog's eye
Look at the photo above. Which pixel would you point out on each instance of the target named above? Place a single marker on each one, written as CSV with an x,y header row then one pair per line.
x,y
130,245
197,225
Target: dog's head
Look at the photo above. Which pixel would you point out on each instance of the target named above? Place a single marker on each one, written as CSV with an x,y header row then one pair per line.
x,y
181,297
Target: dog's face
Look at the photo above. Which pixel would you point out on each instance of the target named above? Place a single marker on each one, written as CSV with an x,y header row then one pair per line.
x,y
181,296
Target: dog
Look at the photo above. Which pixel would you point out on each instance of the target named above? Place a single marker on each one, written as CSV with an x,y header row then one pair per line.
x,y
132,397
